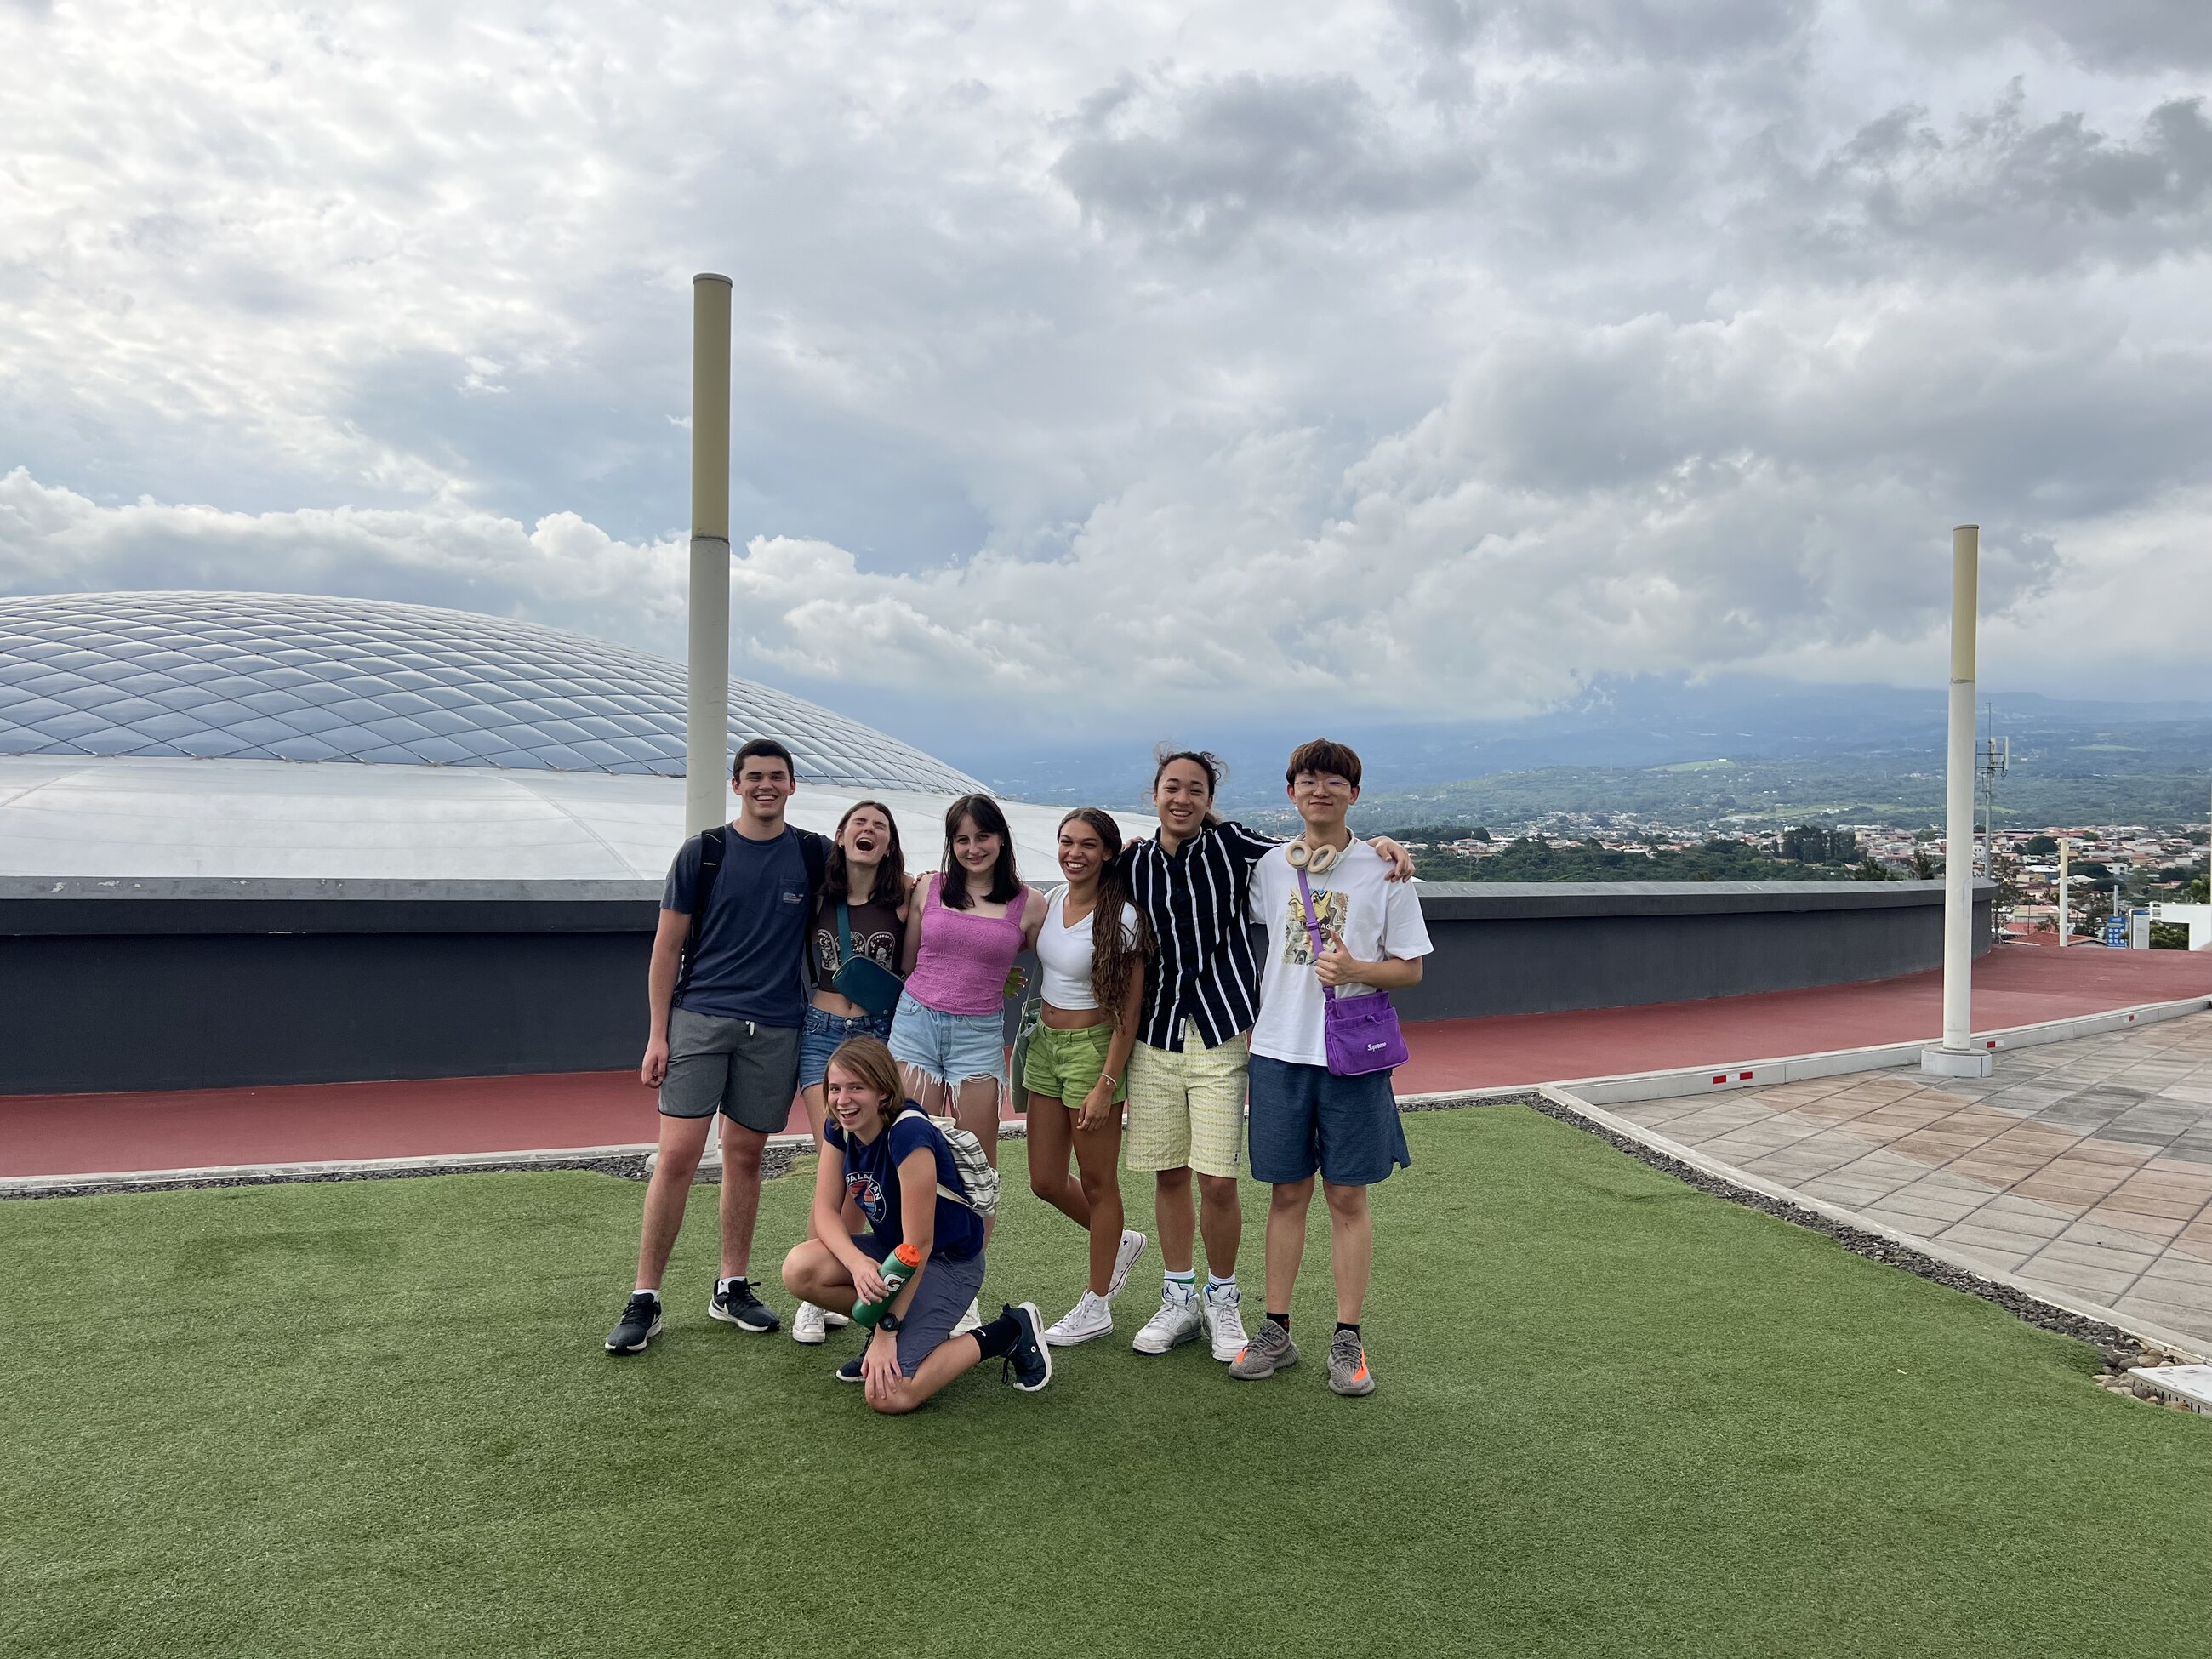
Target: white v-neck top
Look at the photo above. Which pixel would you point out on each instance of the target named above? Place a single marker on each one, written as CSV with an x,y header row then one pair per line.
x,y
1064,953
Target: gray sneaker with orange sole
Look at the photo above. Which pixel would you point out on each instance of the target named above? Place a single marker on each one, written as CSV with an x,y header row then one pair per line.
x,y
1266,1351
1347,1365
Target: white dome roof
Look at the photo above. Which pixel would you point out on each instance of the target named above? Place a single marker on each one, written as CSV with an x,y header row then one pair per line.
x,y
299,678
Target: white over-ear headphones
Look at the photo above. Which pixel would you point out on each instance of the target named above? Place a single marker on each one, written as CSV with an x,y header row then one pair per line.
x,y
1316,860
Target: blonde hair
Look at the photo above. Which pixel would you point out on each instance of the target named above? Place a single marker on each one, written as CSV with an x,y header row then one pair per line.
x,y
867,1059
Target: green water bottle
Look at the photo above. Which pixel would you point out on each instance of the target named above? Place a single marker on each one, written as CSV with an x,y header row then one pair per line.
x,y
899,1267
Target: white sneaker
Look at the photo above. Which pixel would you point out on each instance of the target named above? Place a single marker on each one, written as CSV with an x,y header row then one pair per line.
x,y
834,1320
1175,1324
971,1321
808,1326
1224,1320
1133,1246
1088,1318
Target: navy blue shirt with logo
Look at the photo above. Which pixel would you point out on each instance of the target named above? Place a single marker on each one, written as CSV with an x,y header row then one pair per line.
x,y
752,939
872,1183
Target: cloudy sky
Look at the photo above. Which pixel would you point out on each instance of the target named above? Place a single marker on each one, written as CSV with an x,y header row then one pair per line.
x,y
1094,361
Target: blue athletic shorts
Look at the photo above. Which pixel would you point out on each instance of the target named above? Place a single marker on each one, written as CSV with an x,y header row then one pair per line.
x,y
1305,1118
946,1291
824,1033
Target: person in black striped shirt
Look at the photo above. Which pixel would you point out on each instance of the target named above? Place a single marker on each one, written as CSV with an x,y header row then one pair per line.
x,y
1186,1074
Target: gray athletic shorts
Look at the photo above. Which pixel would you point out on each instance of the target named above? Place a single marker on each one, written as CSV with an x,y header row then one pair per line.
x,y
746,1071
946,1291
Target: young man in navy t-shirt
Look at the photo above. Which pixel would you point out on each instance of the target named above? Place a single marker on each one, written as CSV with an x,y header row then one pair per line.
x,y
726,1005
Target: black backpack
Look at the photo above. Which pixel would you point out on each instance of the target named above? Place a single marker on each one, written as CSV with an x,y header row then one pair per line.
x,y
812,849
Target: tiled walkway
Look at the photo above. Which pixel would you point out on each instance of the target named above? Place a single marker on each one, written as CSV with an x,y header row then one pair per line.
x,y
2085,1167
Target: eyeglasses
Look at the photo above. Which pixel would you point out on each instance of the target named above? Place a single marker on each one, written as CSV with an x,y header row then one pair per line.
x,y
1307,784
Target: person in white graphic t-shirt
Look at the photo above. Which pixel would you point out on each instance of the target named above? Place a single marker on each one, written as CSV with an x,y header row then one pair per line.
x,y
1304,1119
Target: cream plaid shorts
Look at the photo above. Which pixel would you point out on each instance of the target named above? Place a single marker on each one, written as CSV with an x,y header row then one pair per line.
x,y
1187,1108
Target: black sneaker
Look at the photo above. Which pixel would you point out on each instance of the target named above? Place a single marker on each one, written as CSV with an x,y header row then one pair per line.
x,y
639,1325
1028,1362
850,1371
738,1306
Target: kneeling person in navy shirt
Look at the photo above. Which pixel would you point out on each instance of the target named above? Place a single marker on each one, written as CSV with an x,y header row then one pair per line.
x,y
888,1178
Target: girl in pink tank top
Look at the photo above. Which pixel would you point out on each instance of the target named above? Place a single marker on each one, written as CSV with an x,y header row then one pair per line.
x,y
963,930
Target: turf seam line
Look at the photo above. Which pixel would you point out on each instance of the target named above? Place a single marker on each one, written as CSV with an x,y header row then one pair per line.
x,y
2122,1345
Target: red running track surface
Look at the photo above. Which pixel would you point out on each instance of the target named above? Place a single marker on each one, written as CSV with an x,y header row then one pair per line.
x,y
195,1129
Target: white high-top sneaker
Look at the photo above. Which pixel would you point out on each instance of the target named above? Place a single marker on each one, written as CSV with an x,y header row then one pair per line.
x,y
1131,1246
808,1326
1175,1323
1088,1318
971,1321
1224,1320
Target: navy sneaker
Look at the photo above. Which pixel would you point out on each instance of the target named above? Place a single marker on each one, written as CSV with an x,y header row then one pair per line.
x,y
639,1325
738,1306
850,1371
1028,1362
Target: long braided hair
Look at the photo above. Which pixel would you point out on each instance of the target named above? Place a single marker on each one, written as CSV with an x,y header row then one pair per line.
x,y
1113,959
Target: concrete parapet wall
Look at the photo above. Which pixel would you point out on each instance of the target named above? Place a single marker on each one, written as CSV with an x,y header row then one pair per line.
x,y
188,982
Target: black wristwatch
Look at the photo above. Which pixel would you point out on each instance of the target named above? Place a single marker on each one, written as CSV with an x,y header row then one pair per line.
x,y
890,1323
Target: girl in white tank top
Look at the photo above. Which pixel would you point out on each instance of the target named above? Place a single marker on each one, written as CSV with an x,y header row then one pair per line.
x,y
1077,1066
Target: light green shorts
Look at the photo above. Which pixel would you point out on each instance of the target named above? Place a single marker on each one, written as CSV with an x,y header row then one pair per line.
x,y
1063,1066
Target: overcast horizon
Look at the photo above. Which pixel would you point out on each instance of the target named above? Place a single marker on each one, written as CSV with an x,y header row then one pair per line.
x,y
1099,366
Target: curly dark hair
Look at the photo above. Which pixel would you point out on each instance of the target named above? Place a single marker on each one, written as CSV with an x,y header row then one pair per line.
x,y
1205,759
1113,959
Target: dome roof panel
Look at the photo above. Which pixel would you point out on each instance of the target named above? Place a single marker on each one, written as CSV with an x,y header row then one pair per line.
x,y
297,676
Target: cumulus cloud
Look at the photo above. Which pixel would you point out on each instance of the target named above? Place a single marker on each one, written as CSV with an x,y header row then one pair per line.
x,y
1432,356
1203,166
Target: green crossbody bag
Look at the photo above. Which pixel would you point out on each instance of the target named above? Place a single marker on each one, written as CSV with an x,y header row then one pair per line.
x,y
862,980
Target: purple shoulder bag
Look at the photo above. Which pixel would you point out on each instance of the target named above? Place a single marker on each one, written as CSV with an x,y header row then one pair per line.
x,y
1360,1033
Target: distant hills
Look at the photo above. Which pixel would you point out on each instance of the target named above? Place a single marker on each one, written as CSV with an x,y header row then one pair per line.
x,y
1735,752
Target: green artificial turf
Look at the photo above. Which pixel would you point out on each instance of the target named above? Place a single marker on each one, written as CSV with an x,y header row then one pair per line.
x,y
1615,1417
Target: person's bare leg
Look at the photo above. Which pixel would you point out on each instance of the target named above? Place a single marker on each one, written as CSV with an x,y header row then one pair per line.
x,y
1050,1130
740,1207
975,1109
1287,1206
682,1141
1351,1247
1096,1153
924,1088
938,1366
812,1273
817,1101
1175,1217
1221,1219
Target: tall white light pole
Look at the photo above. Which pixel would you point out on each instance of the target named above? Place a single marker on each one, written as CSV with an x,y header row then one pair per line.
x,y
2065,875
706,712
1958,1056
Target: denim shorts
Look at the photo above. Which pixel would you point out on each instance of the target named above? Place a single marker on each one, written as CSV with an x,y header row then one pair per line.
x,y
1305,1118
825,1032
949,1047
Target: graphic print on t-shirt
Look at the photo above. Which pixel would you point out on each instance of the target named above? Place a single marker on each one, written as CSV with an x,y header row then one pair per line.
x,y
881,947
865,1190
1330,907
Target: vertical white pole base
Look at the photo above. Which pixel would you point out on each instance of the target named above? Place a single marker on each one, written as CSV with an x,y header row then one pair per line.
x,y
1954,1062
